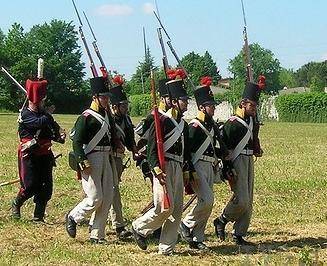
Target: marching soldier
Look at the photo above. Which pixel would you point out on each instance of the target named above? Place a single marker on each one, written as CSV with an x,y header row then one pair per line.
x,y
125,131
238,134
175,137
36,130
142,129
205,148
94,140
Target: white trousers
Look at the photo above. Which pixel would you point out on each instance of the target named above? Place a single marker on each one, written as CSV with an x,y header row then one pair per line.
x,y
198,216
116,210
98,188
239,207
169,219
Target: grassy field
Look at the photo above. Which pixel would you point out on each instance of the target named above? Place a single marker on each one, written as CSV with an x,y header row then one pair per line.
x,y
289,223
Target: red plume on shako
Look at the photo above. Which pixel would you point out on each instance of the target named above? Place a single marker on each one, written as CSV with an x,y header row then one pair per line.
x,y
118,79
177,73
180,73
171,74
207,81
262,82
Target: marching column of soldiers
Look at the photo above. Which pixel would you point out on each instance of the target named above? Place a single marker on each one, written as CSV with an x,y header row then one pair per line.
x,y
196,155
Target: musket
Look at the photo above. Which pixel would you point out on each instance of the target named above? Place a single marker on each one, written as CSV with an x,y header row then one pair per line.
x,y
164,54
21,88
40,68
103,68
126,164
10,182
39,75
173,51
249,76
189,202
92,65
159,139
150,205
13,79
246,49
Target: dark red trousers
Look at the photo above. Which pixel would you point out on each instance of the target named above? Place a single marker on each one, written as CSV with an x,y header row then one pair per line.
x,y
35,172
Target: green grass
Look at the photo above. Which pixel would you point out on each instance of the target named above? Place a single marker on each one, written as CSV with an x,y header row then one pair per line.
x,y
289,222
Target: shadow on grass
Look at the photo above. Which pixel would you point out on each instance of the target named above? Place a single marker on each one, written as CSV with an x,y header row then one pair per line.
x,y
272,246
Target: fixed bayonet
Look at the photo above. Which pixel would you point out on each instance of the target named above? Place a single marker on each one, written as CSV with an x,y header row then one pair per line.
x,y
92,65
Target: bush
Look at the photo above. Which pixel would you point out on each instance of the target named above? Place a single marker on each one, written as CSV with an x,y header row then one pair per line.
x,y
140,104
302,107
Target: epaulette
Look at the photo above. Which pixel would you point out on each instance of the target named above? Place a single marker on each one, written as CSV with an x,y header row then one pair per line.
x,y
86,114
195,125
232,118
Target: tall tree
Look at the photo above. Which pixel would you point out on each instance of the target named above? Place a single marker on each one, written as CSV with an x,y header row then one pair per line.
x,y
141,79
263,62
13,51
56,43
287,78
199,66
316,84
313,72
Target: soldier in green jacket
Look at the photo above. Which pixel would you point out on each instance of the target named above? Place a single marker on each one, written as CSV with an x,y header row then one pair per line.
x,y
142,129
125,132
177,157
206,150
238,136
94,140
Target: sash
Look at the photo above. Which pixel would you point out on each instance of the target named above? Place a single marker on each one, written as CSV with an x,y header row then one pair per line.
x,y
100,134
174,134
241,145
196,156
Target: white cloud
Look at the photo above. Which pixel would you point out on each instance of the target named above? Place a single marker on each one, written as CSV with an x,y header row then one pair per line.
x,y
324,56
114,10
148,8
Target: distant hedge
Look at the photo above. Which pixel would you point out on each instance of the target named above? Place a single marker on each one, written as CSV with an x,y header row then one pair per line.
x,y
302,107
140,104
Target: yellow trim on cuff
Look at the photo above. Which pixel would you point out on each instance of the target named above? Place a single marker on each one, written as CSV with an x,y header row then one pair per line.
x,y
157,170
195,176
84,164
186,174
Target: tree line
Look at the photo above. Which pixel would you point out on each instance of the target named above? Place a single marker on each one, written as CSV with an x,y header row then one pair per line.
x,y
57,43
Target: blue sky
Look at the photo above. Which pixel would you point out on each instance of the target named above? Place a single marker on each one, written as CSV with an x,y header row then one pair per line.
x,y
295,30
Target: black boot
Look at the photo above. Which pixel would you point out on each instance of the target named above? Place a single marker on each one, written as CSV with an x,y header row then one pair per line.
x,y
39,212
70,226
240,241
198,245
157,233
140,240
220,224
16,204
185,232
123,233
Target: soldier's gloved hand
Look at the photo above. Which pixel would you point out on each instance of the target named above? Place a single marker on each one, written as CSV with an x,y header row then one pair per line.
x,y
186,177
63,135
87,171
120,149
161,178
137,157
258,154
